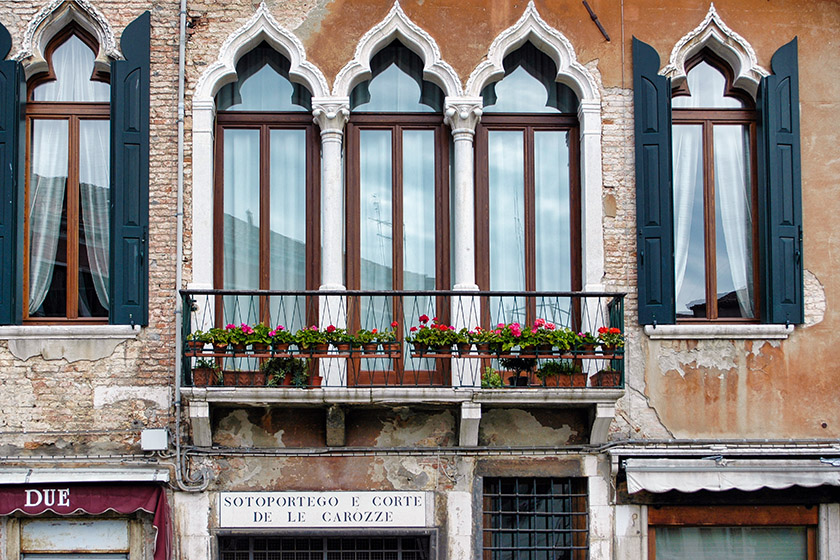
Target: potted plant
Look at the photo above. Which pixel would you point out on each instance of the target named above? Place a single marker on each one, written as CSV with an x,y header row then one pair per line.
x,y
437,338
206,372
485,341
522,368
607,377
280,339
219,338
563,339
491,378
367,339
542,336
285,371
610,339
196,340
585,343
259,338
340,338
312,340
238,335
562,373
387,338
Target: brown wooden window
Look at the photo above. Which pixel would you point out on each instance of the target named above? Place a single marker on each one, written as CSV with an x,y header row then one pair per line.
x,y
715,196
732,533
528,233
67,223
266,199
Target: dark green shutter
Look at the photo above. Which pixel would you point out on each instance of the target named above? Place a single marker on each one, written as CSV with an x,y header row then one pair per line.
x,y
130,177
11,188
654,206
780,192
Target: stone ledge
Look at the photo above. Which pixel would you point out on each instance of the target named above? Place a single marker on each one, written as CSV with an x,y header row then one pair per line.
x,y
69,342
718,332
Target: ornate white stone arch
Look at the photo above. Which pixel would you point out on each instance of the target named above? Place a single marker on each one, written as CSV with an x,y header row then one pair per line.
x,y
262,26
714,34
51,19
397,25
531,27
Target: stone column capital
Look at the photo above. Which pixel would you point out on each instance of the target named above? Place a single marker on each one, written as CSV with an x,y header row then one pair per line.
x,y
331,113
462,114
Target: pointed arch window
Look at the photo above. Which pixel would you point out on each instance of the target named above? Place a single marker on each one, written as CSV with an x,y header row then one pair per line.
x,y
67,218
266,203
528,184
715,195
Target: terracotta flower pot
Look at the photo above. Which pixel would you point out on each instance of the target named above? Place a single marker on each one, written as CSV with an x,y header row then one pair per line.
x,y
202,377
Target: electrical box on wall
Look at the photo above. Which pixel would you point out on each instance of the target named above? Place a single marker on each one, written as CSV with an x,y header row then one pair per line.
x,y
154,439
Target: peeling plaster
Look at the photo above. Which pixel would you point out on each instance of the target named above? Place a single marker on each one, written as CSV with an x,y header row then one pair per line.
x,y
311,24
815,302
236,430
514,426
105,396
407,429
405,473
707,354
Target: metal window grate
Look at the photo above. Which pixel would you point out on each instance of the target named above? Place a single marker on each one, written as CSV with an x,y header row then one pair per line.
x,y
323,548
535,519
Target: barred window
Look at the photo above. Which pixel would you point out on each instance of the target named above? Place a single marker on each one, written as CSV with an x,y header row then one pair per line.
x,y
535,519
323,548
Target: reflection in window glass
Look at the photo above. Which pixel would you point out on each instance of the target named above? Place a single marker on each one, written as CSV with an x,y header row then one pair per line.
x,y
731,543
376,217
241,209
94,208
419,210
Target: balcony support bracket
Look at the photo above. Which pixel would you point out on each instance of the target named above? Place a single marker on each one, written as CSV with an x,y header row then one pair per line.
x,y
336,434
603,415
199,412
470,419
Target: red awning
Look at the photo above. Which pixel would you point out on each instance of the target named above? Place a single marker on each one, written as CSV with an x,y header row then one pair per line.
x,y
66,499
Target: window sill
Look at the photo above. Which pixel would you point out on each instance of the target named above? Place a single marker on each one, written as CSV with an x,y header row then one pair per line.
x,y
68,342
718,332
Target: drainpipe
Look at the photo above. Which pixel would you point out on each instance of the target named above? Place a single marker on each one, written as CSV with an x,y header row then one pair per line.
x,y
180,468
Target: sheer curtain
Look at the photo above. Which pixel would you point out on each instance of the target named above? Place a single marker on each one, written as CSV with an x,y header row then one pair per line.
x,y
95,198
732,192
731,543
686,141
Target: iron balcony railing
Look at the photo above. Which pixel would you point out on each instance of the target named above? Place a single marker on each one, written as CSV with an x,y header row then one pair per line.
x,y
399,364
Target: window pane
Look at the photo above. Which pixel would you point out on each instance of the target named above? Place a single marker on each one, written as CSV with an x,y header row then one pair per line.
x,y
731,543
419,210
733,222
241,220
375,220
288,209
707,85
263,85
397,84
689,232
94,201
72,63
506,156
552,206
529,86
48,219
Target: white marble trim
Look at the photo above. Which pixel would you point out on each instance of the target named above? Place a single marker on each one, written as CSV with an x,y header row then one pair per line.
x,y
68,332
720,332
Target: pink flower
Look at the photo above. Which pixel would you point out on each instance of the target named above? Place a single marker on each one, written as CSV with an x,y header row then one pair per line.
x,y
500,326
230,326
550,326
280,328
313,328
272,332
451,328
539,323
534,330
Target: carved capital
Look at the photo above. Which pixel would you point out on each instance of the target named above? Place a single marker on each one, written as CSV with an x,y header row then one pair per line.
x,y
463,114
331,113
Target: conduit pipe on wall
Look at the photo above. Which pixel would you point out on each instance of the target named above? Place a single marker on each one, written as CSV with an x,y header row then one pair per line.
x,y
181,474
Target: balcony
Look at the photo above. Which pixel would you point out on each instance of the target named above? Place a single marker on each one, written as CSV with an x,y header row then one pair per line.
x,y
403,373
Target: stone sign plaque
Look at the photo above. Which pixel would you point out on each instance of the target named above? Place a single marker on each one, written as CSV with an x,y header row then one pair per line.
x,y
321,509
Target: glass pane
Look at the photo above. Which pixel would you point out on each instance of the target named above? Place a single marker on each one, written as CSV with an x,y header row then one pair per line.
x,y
506,156
706,85
263,85
375,200
241,221
397,84
72,63
48,219
529,86
689,230
733,222
731,543
94,203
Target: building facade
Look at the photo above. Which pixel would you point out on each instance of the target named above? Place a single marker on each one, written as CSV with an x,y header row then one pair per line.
x,y
180,178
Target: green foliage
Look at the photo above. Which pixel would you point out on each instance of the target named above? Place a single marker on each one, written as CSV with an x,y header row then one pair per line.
x,y
491,378
307,337
557,367
277,369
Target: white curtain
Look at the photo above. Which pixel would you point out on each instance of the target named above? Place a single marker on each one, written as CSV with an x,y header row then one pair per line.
x,y
733,202
686,143
94,194
46,200
73,66
731,543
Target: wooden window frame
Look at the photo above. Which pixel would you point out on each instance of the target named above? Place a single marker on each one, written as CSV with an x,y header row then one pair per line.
x,y
735,516
73,112
708,118
528,124
397,123
265,122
